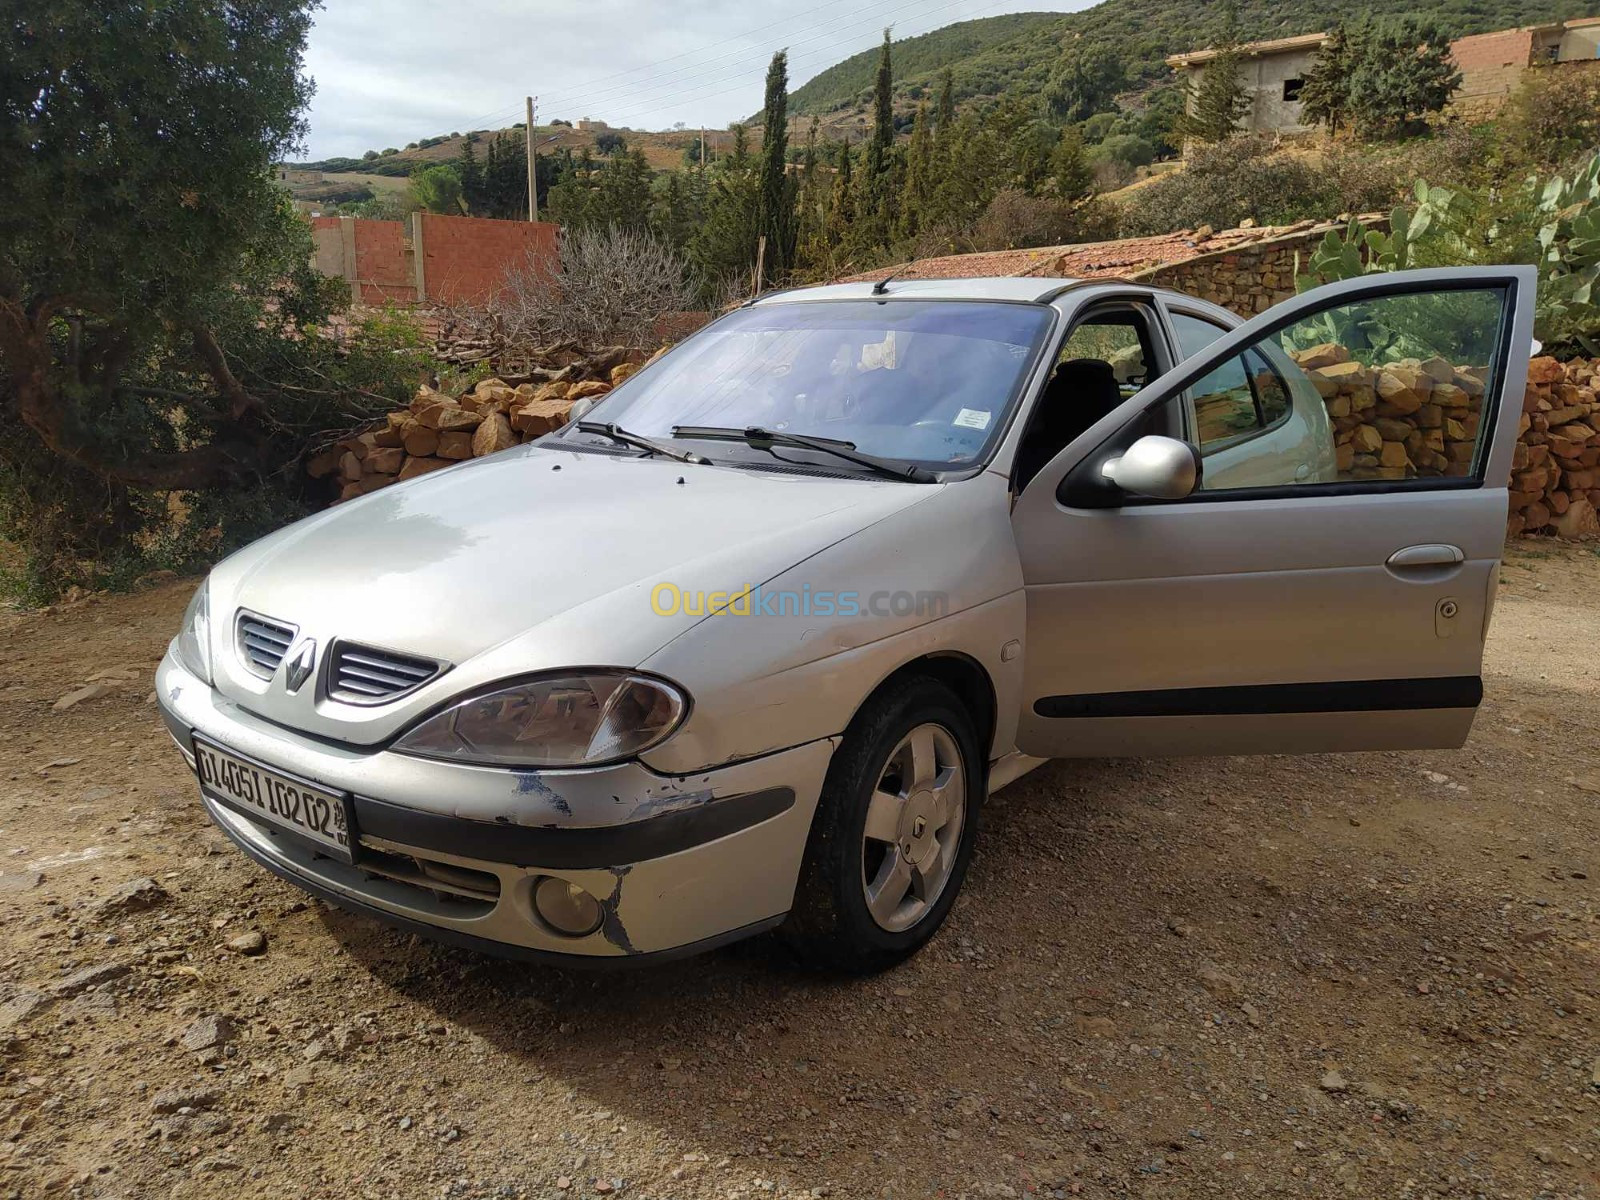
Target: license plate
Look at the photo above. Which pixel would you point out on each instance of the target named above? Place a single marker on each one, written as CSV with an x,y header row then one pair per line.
x,y
320,816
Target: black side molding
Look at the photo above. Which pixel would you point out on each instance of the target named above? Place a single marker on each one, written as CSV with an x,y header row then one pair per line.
x,y
1257,700
575,849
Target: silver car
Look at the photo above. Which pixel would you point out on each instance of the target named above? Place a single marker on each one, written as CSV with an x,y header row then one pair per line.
x,y
746,645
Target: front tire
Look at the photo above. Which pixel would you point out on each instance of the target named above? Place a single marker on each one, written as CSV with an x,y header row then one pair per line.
x,y
894,831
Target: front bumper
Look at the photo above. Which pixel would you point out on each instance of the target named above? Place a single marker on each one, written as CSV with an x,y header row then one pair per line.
x,y
679,863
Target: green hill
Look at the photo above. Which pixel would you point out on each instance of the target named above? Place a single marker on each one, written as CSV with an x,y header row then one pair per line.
x,y
1019,52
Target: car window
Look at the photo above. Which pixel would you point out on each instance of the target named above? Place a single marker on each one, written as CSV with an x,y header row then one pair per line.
x,y
1194,333
1242,397
925,381
1117,338
1389,388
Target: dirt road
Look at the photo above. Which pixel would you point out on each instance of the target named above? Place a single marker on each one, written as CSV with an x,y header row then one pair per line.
x,y
1372,975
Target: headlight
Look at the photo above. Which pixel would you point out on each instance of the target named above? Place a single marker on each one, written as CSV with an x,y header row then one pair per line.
x,y
579,720
194,639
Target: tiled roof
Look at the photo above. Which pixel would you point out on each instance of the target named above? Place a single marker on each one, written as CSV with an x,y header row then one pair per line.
x,y
1090,260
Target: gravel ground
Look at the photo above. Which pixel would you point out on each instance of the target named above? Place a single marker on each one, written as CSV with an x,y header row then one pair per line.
x,y
1370,975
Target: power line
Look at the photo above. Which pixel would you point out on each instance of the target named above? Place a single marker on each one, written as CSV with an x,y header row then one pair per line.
x,y
700,93
728,41
666,92
579,95
651,99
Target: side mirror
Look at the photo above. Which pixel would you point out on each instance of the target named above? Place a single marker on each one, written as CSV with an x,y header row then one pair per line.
x,y
1162,468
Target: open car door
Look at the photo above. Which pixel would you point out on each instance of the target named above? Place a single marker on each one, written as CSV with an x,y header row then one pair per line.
x,y
1329,585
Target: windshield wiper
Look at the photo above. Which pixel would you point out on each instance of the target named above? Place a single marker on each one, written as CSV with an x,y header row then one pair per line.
x,y
621,436
765,439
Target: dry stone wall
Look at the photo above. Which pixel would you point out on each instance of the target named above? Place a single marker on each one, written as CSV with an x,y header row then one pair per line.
x,y
1555,474
439,429
1410,418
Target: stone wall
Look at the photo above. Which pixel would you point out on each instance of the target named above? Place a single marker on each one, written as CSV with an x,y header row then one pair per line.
x,y
1555,475
1411,419
1251,277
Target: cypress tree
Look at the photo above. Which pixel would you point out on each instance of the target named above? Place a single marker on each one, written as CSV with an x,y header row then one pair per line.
x,y
916,199
471,177
945,114
876,198
775,217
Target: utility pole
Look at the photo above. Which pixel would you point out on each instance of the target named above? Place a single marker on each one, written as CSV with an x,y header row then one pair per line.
x,y
702,147
533,174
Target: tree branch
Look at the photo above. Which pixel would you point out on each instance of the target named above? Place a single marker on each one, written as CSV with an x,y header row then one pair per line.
x,y
240,401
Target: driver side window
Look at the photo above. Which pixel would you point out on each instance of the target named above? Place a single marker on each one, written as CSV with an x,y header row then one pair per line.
x,y
1106,358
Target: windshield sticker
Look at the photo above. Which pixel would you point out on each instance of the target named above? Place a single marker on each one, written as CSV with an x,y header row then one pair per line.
x,y
972,418
879,355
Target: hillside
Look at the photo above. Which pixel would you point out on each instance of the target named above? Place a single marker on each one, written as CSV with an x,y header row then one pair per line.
x,y
663,150
997,54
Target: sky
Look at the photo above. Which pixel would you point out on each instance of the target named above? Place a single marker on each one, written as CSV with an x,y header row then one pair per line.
x,y
391,71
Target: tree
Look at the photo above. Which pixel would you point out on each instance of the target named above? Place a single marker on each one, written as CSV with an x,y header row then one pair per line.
x,y
161,327
916,201
609,142
1401,72
438,189
135,179
470,173
1070,170
944,113
1325,96
1086,81
723,249
775,216
1213,108
876,203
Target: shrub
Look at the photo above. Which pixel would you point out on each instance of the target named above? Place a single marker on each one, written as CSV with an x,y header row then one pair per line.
x,y
1255,178
1553,223
1015,220
1554,116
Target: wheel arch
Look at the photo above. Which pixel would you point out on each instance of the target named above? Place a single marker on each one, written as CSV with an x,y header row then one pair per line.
x,y
963,675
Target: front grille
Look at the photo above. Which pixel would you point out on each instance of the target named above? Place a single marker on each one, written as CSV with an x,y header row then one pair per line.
x,y
364,675
263,642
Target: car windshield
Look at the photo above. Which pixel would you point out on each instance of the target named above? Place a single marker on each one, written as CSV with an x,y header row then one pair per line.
x,y
921,381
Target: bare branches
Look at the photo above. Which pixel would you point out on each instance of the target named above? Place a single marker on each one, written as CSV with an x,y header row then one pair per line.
x,y
614,286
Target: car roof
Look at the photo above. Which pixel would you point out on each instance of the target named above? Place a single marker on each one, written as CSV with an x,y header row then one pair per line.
x,y
979,288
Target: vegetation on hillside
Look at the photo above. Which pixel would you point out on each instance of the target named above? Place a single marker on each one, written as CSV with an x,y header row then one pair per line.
x,y
985,60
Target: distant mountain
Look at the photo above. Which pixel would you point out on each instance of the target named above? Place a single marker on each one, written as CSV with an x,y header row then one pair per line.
x,y
1019,52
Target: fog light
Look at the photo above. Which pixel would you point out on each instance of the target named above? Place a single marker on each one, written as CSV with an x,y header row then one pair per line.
x,y
566,907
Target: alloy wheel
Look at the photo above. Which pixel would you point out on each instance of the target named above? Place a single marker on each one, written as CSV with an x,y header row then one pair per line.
x,y
913,830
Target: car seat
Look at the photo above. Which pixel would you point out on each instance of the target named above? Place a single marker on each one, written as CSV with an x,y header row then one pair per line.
x,y
1080,392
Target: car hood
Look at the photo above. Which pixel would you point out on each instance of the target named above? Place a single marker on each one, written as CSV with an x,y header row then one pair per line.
x,y
534,558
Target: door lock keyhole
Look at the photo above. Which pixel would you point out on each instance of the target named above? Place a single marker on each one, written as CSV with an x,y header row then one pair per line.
x,y
1444,617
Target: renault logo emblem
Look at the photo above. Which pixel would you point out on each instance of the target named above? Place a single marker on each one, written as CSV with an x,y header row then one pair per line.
x,y
298,669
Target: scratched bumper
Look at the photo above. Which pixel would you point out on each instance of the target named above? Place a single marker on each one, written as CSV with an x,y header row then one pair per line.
x,y
680,863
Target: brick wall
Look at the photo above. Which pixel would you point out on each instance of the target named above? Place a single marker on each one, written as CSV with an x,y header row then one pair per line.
x,y
1492,65
464,259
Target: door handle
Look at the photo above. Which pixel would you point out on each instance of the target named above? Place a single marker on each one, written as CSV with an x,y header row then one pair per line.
x,y
1426,556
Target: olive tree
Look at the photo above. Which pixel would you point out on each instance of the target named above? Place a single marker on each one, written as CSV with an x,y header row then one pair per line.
x,y
160,328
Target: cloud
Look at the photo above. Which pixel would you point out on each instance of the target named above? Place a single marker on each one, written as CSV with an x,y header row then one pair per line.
x,y
392,71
